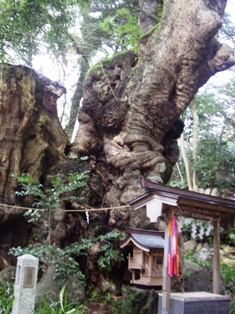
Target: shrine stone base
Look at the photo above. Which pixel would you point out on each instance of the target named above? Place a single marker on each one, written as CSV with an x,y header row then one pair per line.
x,y
196,303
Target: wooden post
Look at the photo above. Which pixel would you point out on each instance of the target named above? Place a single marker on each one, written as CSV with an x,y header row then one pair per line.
x,y
216,259
150,265
166,284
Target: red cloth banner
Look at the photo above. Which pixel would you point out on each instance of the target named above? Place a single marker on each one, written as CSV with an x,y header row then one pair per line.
x,y
173,248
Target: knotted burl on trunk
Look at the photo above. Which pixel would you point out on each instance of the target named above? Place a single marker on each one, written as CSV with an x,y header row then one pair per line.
x,y
129,119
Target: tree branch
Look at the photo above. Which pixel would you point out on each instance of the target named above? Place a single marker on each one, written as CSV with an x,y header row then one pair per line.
x,y
78,49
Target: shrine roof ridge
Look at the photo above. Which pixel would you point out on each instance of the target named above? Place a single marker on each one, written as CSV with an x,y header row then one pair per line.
x,y
144,239
185,194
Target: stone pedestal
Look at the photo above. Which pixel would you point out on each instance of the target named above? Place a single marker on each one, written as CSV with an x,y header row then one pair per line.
x,y
196,303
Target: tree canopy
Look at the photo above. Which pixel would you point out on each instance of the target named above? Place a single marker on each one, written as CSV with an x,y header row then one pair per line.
x,y
26,26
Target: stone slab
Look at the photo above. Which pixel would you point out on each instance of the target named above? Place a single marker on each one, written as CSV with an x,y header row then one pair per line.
x,y
196,303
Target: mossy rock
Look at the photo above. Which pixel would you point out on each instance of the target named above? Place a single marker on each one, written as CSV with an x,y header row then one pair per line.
x,y
136,300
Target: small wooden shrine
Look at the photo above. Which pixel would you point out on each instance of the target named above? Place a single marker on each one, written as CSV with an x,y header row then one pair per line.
x,y
167,202
146,260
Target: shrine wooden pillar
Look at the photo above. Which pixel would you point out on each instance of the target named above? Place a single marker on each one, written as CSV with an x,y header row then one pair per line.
x,y
216,259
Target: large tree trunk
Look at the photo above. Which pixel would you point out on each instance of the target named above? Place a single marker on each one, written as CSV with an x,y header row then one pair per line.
x,y
31,141
131,103
31,137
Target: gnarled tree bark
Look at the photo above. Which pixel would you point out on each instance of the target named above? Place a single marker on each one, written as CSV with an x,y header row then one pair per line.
x,y
132,102
31,137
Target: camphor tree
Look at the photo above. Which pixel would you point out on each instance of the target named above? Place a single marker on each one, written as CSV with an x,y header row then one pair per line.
x,y
132,101
32,137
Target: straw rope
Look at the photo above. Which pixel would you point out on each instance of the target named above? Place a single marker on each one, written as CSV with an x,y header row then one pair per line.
x,y
66,210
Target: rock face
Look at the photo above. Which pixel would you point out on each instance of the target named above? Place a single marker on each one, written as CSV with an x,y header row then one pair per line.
x,y
49,288
7,274
202,280
190,245
132,103
31,137
139,300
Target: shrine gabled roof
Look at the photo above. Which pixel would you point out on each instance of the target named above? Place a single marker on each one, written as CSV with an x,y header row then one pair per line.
x,y
183,195
144,239
187,203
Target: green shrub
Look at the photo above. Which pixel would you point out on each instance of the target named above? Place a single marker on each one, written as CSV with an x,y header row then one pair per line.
x,y
231,236
63,306
228,274
6,297
190,255
232,307
64,260
51,197
109,254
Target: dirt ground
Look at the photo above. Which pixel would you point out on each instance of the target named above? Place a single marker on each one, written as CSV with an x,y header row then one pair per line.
x,y
99,308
